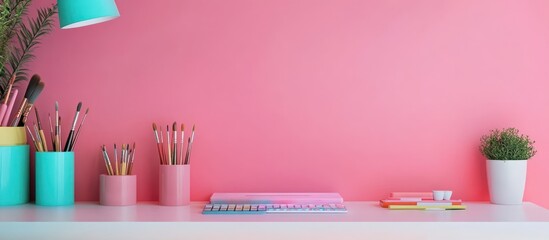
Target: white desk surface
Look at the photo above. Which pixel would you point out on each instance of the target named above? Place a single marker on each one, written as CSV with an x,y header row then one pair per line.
x,y
148,220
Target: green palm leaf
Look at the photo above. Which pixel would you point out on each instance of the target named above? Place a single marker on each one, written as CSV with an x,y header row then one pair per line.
x,y
26,38
11,12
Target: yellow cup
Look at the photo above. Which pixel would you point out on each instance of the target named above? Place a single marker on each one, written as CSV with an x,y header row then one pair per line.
x,y
10,136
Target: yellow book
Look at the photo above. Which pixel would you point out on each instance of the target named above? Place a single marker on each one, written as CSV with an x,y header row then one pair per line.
x,y
415,207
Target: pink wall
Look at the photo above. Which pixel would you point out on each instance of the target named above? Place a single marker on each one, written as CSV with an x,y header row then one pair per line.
x,y
359,97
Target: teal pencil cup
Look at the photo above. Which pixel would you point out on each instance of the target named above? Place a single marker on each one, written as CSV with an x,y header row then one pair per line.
x,y
14,175
54,178
14,166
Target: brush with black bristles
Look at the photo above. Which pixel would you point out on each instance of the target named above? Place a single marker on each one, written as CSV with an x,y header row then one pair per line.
x,y
79,128
33,84
37,90
70,139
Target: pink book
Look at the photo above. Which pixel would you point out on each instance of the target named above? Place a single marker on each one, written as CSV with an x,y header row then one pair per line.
x,y
276,198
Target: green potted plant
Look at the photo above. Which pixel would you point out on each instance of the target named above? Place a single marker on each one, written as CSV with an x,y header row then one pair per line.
x,y
507,152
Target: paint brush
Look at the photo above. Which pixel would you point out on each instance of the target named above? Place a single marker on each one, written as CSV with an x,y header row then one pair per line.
x,y
79,128
115,160
169,147
174,154
58,138
11,102
124,165
40,131
107,160
190,147
158,146
131,159
3,111
37,90
187,153
10,85
121,165
180,161
126,159
164,160
128,154
71,132
57,149
32,137
31,87
4,104
51,133
38,139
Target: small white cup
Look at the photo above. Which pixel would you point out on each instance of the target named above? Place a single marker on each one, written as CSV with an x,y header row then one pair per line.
x,y
447,195
438,195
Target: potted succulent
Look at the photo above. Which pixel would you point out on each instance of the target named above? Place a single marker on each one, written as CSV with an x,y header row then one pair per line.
x,y
507,152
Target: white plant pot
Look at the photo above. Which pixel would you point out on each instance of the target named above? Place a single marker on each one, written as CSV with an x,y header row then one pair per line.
x,y
506,180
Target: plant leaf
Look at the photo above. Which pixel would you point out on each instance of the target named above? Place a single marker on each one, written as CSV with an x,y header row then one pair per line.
x,y
28,37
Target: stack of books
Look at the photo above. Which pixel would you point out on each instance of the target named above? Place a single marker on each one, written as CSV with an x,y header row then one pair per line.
x,y
419,201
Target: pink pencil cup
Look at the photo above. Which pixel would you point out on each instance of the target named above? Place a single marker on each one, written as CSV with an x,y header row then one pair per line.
x,y
117,190
175,185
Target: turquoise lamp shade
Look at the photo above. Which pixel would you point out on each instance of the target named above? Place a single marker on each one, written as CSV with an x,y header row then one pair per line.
x,y
79,13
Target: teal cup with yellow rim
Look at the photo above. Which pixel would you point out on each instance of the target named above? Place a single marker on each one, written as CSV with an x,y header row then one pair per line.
x,y
14,166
